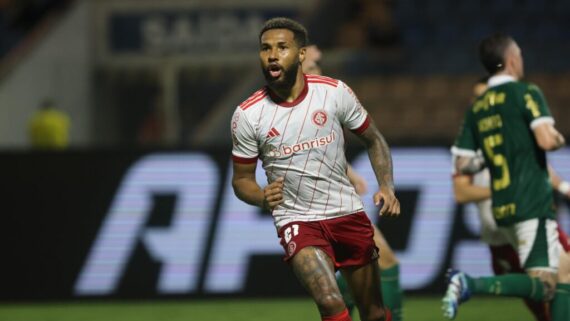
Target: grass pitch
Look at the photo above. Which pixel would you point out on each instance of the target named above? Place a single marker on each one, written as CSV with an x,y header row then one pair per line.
x,y
415,309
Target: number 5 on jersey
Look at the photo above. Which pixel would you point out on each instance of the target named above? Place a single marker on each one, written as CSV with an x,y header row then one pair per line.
x,y
498,160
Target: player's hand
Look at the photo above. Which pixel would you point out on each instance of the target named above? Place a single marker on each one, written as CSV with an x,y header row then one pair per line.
x,y
273,194
390,204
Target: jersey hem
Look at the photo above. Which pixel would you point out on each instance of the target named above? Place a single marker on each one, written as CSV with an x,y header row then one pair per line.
x,y
284,222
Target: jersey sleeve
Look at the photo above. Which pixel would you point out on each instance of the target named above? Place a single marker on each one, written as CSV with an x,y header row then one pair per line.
x,y
244,148
465,142
351,112
536,109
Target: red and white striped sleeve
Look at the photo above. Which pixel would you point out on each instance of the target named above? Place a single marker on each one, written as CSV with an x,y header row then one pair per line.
x,y
244,148
351,112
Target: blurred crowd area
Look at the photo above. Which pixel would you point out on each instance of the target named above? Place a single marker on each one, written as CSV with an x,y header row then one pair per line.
x,y
412,63
19,17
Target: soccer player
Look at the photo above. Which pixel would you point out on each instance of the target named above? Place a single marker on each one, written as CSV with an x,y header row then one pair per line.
x,y
294,125
476,188
388,262
512,125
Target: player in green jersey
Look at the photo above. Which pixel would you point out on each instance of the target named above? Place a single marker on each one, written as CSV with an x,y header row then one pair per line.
x,y
512,126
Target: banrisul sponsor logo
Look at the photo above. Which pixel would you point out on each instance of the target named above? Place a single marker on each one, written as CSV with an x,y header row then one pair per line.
x,y
309,144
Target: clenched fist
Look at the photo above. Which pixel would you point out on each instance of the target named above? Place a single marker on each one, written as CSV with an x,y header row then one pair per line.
x,y
273,194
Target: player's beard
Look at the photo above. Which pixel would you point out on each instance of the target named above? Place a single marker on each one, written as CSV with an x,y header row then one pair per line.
x,y
287,79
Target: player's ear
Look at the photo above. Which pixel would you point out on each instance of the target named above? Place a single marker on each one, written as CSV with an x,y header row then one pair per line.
x,y
302,54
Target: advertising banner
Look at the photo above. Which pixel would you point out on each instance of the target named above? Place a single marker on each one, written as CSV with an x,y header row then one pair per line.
x,y
159,224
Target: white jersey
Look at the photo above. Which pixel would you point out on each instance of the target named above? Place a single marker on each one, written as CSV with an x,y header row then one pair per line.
x,y
303,142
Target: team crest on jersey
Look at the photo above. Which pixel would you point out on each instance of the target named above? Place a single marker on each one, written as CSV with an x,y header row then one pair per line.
x,y
291,247
320,118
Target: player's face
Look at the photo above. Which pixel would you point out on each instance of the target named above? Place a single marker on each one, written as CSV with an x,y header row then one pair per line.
x,y
280,57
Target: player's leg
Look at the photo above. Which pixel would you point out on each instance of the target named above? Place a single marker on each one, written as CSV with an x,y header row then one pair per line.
x,y
315,270
312,259
561,303
540,257
364,282
390,276
505,260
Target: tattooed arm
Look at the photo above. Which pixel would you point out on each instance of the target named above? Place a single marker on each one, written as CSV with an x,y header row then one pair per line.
x,y
381,160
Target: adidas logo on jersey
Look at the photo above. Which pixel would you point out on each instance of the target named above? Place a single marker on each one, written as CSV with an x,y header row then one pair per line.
x,y
272,133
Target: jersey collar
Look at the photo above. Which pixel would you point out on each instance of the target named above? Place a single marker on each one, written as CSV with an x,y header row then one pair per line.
x,y
499,80
295,102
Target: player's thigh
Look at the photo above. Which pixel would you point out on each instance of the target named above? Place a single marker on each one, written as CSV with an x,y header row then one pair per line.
x,y
315,270
387,257
364,282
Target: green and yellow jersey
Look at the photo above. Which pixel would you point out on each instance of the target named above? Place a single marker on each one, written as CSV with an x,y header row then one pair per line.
x,y
500,123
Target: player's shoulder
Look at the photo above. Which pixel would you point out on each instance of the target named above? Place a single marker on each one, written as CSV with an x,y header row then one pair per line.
x,y
525,86
529,86
255,99
322,81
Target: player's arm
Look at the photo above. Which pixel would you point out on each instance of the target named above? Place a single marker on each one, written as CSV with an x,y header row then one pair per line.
x,y
381,161
465,191
246,187
547,137
558,183
468,165
541,121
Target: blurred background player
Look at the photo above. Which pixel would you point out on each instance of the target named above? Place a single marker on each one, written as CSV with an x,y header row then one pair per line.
x,y
49,127
513,126
476,188
388,262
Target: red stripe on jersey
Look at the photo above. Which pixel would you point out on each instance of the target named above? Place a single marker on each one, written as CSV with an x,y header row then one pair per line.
x,y
253,102
363,127
298,137
323,78
257,96
244,160
253,96
322,82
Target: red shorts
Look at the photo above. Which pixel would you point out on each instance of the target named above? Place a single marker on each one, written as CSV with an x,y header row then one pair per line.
x,y
347,240
564,240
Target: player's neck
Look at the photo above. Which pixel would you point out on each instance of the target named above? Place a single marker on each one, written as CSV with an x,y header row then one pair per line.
x,y
290,93
507,72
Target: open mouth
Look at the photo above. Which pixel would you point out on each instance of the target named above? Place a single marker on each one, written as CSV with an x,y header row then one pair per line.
x,y
274,70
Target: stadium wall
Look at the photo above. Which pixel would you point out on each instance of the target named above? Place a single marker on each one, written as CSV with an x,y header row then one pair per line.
x,y
166,224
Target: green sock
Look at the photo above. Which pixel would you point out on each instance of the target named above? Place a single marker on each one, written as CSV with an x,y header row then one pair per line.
x,y
560,307
345,292
515,285
391,291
